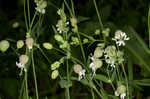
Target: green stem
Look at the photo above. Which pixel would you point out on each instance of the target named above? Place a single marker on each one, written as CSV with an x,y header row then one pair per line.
x,y
26,85
28,7
34,74
99,17
93,96
25,16
126,80
149,24
68,79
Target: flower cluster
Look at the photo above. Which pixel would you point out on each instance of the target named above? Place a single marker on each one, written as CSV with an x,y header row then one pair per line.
x,y
112,56
120,37
79,70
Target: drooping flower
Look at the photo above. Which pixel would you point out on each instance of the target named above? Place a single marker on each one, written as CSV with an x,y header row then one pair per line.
x,y
110,55
23,59
120,38
79,70
29,43
41,5
96,62
121,91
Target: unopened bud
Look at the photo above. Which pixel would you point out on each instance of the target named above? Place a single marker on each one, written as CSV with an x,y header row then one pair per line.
x,y
20,44
47,45
54,74
4,45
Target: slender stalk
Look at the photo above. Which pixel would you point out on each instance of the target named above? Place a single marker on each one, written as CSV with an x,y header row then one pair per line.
x,y
28,7
26,85
25,16
149,24
126,80
34,74
93,96
99,17
68,79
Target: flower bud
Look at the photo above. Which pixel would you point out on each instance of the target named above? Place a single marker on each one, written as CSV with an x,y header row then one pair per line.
x,y
73,21
54,74
20,44
59,38
98,52
77,68
4,45
15,25
47,45
55,65
29,42
23,59
64,45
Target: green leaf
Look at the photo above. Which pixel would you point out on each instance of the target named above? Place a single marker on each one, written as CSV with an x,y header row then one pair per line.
x,y
65,84
138,49
102,78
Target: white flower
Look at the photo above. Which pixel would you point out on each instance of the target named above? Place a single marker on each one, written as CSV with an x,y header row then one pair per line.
x,y
95,64
23,59
120,38
81,74
122,96
121,91
61,25
79,70
41,5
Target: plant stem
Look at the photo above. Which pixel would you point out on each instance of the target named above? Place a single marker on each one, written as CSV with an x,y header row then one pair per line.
x,y
34,74
26,85
99,17
126,80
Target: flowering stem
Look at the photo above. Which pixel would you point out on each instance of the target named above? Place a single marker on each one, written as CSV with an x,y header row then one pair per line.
x,y
34,74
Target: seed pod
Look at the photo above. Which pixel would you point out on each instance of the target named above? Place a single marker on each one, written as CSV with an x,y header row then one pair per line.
x,y
29,42
23,59
20,44
77,68
4,45
47,45
54,74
